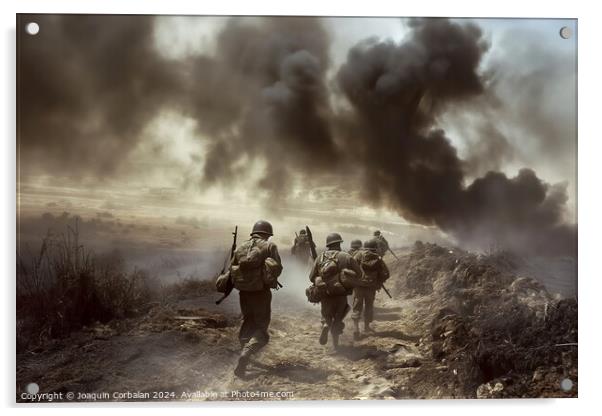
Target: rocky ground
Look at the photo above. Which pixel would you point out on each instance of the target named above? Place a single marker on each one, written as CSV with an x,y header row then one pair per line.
x,y
459,326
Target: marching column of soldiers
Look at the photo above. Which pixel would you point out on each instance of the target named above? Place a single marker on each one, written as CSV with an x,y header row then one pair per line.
x,y
255,266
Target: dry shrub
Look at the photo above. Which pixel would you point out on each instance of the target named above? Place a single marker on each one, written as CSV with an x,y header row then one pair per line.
x,y
64,287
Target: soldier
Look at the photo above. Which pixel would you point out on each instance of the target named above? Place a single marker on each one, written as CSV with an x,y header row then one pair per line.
x,y
383,244
334,305
301,247
375,273
255,267
356,245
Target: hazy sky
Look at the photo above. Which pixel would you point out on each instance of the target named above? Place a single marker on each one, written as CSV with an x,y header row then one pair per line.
x,y
144,155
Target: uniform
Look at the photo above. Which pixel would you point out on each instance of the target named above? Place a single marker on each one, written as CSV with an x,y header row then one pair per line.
x,y
256,298
375,272
334,308
382,245
356,246
301,248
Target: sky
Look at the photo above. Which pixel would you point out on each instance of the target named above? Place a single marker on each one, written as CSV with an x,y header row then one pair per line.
x,y
170,130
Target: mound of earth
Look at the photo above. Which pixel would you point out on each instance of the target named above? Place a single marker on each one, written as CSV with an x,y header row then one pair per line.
x,y
503,334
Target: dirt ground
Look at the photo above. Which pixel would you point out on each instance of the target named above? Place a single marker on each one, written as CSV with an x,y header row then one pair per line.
x,y
186,350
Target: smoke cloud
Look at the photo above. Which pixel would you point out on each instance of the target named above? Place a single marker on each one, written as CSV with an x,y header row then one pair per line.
x,y
87,87
264,95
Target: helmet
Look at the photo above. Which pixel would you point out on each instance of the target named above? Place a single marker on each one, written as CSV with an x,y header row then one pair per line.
x,y
302,231
333,238
262,227
356,244
376,233
371,244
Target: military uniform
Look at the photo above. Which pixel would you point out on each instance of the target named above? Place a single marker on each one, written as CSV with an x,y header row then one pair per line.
x,y
334,308
256,305
375,272
301,248
382,245
356,246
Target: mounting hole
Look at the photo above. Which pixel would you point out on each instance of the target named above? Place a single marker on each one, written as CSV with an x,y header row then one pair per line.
x,y
566,32
32,388
566,384
32,28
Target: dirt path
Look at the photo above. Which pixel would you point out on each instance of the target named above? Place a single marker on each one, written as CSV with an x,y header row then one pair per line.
x,y
194,359
196,362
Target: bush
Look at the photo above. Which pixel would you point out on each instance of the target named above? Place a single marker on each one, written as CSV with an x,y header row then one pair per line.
x,y
65,287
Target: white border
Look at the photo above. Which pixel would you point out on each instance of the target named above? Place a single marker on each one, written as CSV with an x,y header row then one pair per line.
x,y
588,166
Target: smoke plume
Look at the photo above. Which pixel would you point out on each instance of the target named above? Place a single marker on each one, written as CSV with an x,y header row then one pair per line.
x,y
87,87
91,86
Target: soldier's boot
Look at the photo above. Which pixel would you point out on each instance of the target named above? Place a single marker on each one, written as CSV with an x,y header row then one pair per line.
x,y
367,327
241,367
324,334
356,329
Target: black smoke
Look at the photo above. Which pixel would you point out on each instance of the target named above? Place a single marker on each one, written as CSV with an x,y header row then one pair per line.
x,y
90,85
87,87
397,91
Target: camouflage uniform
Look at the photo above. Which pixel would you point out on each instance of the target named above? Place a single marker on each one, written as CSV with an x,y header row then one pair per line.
x,y
255,306
363,296
335,308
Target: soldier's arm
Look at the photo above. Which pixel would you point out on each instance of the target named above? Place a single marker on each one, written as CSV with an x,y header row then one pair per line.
x,y
273,250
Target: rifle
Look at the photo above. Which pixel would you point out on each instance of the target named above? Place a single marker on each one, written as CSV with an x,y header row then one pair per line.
x,y
382,286
312,245
397,258
230,285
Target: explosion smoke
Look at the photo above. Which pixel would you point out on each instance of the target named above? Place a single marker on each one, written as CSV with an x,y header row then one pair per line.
x,y
264,95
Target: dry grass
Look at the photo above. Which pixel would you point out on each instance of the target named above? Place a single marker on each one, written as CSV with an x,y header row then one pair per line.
x,y
64,287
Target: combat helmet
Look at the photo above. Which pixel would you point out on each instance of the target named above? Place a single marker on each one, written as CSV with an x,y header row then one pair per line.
x,y
302,231
356,244
371,244
377,233
262,227
333,238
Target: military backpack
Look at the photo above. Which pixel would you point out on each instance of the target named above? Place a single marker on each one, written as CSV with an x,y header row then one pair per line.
x,y
370,265
248,272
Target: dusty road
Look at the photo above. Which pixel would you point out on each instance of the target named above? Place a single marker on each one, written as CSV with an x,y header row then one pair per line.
x,y
438,342
164,354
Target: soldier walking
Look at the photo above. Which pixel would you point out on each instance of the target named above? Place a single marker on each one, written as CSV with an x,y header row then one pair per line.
x,y
301,248
327,268
382,243
254,270
375,273
356,245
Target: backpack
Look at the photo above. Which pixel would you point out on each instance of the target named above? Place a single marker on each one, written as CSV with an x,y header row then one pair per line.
x,y
329,274
248,271
370,265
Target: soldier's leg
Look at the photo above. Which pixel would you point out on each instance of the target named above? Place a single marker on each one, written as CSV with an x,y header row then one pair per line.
x,y
248,322
340,310
369,311
256,308
261,310
326,308
246,331
357,307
